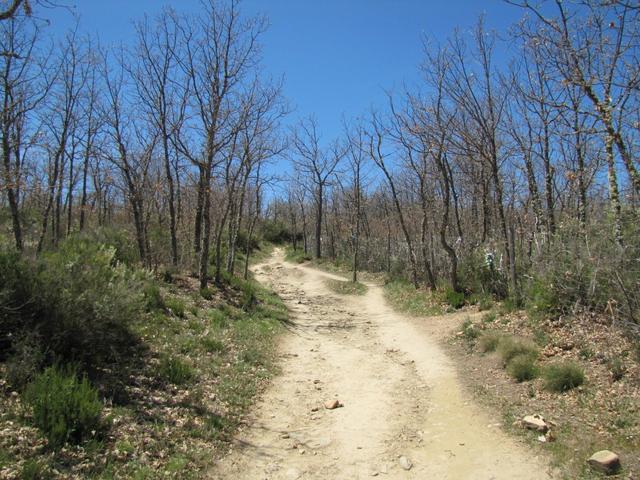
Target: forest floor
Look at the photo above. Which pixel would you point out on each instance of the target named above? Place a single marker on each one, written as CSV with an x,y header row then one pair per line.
x,y
403,411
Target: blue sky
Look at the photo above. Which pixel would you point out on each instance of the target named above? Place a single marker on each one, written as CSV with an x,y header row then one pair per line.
x,y
337,57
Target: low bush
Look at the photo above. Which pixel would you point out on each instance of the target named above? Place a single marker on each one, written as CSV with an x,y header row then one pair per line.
x,y
77,303
28,358
569,275
176,306
563,376
523,368
489,341
65,408
206,293
479,274
296,256
33,470
453,298
510,347
469,330
153,297
489,317
212,344
175,370
617,368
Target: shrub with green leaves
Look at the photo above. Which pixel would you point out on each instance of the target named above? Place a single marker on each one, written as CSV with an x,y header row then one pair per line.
x,y
523,367
174,370
453,298
176,306
469,330
489,341
79,301
153,297
65,408
563,376
570,275
510,347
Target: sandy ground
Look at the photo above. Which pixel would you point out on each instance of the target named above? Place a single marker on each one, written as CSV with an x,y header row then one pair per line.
x,y
401,395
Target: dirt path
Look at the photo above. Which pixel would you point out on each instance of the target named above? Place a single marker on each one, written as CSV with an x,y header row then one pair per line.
x,y
400,392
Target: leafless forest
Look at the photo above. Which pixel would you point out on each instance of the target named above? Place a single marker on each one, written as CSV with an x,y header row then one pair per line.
x,y
495,179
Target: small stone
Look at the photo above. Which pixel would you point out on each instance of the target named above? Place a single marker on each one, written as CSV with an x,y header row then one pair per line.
x,y
535,422
284,436
332,404
314,409
605,461
405,463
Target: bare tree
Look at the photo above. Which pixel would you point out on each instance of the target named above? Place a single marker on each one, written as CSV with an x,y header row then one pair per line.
x,y
161,94
317,165
218,58
25,82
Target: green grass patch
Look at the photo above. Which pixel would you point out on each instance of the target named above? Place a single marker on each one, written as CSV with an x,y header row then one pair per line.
x,y
405,297
176,306
523,368
346,287
296,256
489,341
562,377
510,347
174,370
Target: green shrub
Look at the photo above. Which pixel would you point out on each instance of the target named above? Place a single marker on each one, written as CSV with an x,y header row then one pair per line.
x,y
218,318
26,361
212,344
523,368
469,330
276,232
569,275
33,470
119,239
65,408
176,306
489,317
510,347
617,368
489,341
509,304
543,300
563,376
453,298
153,297
206,293
249,298
78,301
480,277
485,303
296,256
175,370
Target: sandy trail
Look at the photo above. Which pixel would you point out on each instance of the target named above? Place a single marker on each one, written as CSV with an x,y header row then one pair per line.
x,y
400,392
